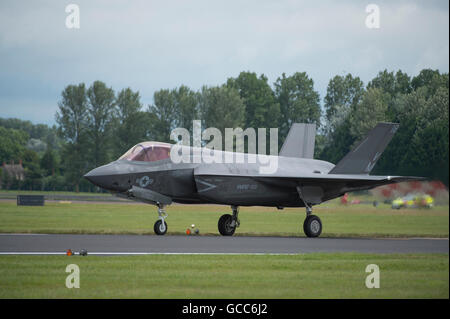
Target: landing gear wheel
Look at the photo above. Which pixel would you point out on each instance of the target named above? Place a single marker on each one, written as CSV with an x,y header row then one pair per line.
x,y
225,225
160,228
312,226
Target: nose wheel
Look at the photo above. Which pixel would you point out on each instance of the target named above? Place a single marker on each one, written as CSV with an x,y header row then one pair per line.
x,y
160,227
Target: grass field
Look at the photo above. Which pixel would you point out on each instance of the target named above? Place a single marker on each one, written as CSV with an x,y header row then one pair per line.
x,y
362,220
233,276
318,275
25,192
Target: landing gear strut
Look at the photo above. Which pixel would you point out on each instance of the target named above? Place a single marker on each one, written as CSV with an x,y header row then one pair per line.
x,y
160,226
312,226
228,223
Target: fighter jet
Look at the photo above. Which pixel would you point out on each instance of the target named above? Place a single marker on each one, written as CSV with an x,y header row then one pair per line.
x,y
147,173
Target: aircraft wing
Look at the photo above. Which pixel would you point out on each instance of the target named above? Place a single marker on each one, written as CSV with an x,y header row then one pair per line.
x,y
327,186
318,187
353,181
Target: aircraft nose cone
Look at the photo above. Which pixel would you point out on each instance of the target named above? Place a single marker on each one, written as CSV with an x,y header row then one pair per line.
x,y
101,176
94,177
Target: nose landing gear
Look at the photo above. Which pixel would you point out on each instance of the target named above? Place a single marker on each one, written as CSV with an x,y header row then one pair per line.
x,y
160,227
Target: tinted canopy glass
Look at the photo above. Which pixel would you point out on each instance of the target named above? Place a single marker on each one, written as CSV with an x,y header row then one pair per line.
x,y
147,152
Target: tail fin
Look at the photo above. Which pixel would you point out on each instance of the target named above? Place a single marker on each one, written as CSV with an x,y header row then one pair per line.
x,y
300,141
363,158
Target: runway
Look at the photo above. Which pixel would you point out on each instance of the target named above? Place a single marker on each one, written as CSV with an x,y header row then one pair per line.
x,y
152,244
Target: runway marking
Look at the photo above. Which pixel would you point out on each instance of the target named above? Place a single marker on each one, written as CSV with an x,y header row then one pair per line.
x,y
140,253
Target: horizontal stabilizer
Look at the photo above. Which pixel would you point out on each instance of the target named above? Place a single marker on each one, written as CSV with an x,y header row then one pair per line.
x,y
363,158
300,141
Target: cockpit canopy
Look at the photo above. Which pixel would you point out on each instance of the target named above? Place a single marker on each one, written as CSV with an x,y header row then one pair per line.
x,y
147,152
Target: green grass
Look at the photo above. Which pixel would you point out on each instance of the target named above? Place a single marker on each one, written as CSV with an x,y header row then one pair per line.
x,y
232,276
338,221
25,192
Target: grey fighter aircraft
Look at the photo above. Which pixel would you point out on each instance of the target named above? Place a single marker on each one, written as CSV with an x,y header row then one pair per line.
x,y
146,173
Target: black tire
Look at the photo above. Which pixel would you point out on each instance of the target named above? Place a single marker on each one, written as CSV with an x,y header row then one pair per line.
x,y
157,227
224,225
312,226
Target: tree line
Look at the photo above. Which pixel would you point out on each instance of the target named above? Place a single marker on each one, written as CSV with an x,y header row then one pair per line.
x,y
95,124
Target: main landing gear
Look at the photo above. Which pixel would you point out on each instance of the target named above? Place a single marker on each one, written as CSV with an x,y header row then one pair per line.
x,y
160,226
228,223
312,226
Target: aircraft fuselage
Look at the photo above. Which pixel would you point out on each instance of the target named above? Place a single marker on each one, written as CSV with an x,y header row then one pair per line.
x,y
195,183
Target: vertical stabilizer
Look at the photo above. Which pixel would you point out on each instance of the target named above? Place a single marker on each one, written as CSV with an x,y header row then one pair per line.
x,y
363,158
300,141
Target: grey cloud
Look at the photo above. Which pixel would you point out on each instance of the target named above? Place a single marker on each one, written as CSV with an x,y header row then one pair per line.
x,y
149,45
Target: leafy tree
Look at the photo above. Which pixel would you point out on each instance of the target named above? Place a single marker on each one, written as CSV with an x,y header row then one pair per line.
x,y
360,113
54,183
186,107
222,107
171,109
371,110
338,143
261,107
428,152
391,84
131,123
162,115
5,179
343,95
36,145
298,100
52,139
431,80
72,118
33,173
420,146
403,83
49,163
406,108
12,144
39,132
99,125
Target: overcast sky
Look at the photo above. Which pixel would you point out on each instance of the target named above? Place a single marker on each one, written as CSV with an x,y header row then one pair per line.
x,y
149,45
